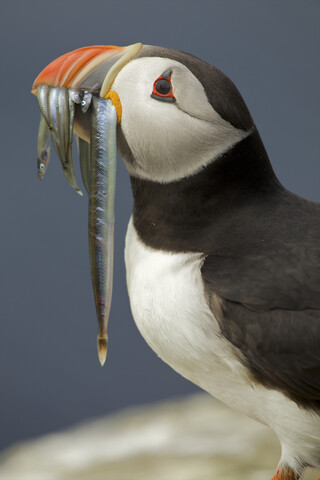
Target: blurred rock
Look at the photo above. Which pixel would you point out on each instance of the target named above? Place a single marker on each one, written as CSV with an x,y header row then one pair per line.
x,y
194,438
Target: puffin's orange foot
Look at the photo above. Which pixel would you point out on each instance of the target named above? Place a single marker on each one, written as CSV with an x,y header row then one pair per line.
x,y
285,473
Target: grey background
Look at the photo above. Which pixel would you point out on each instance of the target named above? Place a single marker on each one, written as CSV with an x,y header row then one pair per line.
x,y
49,372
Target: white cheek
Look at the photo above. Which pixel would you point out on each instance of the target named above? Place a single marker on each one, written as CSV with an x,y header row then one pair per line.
x,y
166,140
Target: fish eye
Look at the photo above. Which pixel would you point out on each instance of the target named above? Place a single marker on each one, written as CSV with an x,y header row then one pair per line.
x,y
42,166
162,88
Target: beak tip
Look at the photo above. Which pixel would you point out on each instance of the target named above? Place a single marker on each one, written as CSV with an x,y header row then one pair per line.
x,y
102,349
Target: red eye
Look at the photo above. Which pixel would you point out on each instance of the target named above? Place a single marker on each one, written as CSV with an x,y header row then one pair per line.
x,y
162,88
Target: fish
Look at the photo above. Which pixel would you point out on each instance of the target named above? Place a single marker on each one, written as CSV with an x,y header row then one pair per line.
x,y
57,107
84,156
103,162
98,161
43,148
75,97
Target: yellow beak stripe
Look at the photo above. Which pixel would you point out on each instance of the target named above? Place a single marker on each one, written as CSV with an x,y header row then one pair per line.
x,y
114,97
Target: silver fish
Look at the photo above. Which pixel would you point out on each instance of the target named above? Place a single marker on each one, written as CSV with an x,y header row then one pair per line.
x,y
43,96
58,109
98,167
43,147
103,158
84,155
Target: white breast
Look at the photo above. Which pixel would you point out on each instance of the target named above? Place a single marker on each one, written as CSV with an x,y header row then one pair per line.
x,y
169,307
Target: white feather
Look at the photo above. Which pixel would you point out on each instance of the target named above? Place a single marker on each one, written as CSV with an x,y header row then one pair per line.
x,y
169,307
169,140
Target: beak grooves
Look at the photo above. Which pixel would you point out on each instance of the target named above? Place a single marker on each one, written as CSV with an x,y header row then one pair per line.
x,y
62,71
88,68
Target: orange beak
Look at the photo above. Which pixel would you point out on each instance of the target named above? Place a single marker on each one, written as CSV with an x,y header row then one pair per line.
x,y
88,68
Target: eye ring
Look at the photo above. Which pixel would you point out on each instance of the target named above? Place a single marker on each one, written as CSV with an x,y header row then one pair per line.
x,y
163,89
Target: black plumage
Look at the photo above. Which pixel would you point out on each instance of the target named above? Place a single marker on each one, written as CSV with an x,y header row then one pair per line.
x,y
261,269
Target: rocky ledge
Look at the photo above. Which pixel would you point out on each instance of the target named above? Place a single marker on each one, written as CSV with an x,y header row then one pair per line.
x,y
194,438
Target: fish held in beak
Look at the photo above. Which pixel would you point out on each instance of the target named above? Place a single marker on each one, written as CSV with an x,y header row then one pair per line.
x,y
79,82
84,156
103,155
43,147
57,107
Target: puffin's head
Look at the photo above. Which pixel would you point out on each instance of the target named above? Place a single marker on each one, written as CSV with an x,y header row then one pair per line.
x,y
178,113
175,112
169,113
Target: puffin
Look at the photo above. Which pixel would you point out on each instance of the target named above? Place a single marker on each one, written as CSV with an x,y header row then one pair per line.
x,y
222,261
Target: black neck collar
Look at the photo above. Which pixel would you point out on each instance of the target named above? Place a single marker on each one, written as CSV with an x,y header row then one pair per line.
x,y
195,213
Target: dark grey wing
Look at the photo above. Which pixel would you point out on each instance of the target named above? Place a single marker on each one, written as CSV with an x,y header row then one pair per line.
x,y
285,276
281,347
267,304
